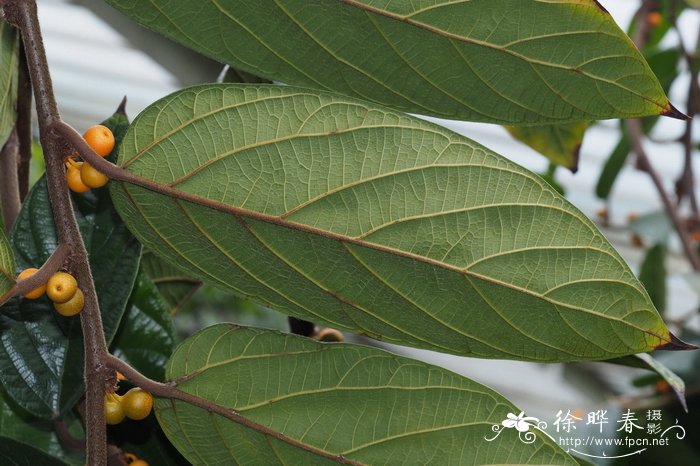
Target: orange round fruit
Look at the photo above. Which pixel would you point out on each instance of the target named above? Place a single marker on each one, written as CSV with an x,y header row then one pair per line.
x,y
137,403
101,139
61,287
114,414
654,19
91,177
72,306
36,292
662,386
73,179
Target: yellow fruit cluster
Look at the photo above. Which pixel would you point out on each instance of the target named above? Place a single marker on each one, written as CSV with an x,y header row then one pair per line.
x,y
62,289
81,176
135,404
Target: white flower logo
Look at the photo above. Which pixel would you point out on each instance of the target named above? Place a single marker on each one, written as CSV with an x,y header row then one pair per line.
x,y
520,422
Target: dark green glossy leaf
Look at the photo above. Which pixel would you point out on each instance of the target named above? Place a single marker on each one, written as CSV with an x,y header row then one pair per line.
x,y
173,285
357,217
41,357
9,46
118,124
368,405
41,353
14,453
559,143
146,337
39,433
503,61
653,275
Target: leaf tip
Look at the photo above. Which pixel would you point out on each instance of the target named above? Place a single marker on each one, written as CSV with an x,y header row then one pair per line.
x,y
675,344
573,167
121,110
673,112
602,8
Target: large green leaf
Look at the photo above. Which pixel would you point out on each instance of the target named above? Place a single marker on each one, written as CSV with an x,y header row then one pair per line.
x,y
503,61
368,405
146,335
348,214
7,262
9,46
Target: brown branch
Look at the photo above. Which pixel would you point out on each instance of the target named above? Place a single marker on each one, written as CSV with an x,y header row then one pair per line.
x,y
9,186
685,186
24,124
65,437
23,14
165,390
51,266
636,135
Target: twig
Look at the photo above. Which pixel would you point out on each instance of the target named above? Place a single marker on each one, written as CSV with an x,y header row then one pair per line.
x,y
634,128
64,435
685,186
24,124
23,14
171,391
636,135
9,187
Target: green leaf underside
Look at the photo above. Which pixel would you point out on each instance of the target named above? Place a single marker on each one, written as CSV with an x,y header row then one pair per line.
x,y
559,143
368,405
175,287
9,45
502,61
343,213
7,262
